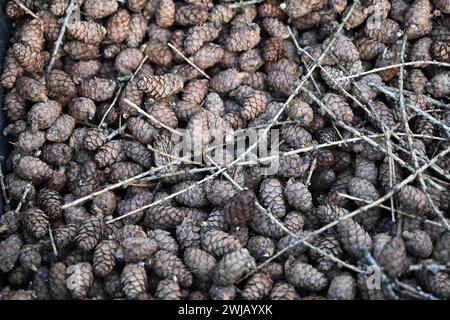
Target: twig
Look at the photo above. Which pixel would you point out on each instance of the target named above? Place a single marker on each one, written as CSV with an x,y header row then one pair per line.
x,y
172,156
22,200
113,103
152,118
52,241
4,190
397,65
312,167
284,228
112,187
242,4
31,13
396,210
188,60
374,204
417,292
384,279
62,31
117,131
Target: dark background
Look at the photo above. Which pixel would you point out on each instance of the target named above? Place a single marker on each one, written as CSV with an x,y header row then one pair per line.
x,y
5,27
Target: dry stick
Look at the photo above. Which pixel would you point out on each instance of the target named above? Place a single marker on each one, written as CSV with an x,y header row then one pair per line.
x,y
188,61
397,65
384,279
172,156
62,31
429,99
31,13
242,4
4,190
312,167
266,130
285,229
396,210
22,200
52,241
374,204
112,187
176,173
121,89
152,118
412,107
416,291
320,146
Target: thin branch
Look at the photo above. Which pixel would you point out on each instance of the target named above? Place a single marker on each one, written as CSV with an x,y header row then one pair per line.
x,y
392,66
62,31
188,60
172,156
22,200
24,8
52,241
4,190
152,118
384,279
242,4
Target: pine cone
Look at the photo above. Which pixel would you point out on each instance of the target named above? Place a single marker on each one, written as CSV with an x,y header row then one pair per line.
x,y
117,26
298,196
232,267
353,237
137,201
31,168
31,59
136,249
120,171
61,129
9,252
243,37
296,136
137,30
240,209
134,280
330,245
82,109
90,234
261,247
283,291
104,258
257,288
168,289
108,154
43,114
50,202
297,9
418,243
79,50
104,204
160,87
165,13
342,287
219,243
98,89
166,265
79,279
31,89
413,200
271,193
191,15
57,281
418,19
164,216
441,250
14,106
197,36
338,107
201,263
128,60
12,70
89,32
164,240
305,276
